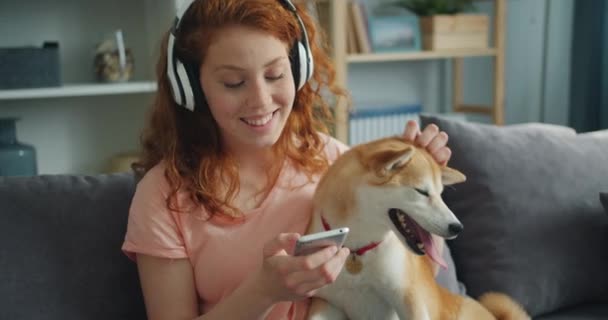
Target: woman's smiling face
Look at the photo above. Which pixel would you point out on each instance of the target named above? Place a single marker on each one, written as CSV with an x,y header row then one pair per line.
x,y
247,80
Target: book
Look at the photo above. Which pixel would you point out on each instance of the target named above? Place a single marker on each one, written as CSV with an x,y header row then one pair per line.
x,y
359,20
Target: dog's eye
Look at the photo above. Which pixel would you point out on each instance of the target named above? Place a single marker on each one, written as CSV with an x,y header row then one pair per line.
x,y
422,192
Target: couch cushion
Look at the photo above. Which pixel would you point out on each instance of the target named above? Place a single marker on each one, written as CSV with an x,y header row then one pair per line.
x,y
447,278
585,312
60,255
534,226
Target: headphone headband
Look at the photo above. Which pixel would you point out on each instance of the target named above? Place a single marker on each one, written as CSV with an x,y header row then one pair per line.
x,y
183,78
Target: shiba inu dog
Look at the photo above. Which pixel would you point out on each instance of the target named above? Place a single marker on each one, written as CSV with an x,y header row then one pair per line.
x,y
388,193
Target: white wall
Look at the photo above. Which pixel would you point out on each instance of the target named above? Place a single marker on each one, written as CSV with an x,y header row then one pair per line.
x,y
78,25
78,135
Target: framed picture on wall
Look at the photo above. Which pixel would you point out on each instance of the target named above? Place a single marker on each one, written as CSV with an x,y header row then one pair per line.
x,y
395,33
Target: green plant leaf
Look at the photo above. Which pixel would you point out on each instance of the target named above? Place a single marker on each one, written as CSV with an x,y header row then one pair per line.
x,y
433,7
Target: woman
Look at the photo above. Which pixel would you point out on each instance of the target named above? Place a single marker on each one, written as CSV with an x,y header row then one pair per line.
x,y
232,153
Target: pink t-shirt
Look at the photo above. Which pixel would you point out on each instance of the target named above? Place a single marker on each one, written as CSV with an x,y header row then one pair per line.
x,y
223,251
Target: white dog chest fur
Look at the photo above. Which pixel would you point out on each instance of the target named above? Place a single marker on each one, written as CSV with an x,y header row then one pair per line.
x,y
368,295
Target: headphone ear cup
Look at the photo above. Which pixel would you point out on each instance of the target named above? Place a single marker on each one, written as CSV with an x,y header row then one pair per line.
x,y
310,64
195,87
301,65
184,83
302,57
296,68
176,86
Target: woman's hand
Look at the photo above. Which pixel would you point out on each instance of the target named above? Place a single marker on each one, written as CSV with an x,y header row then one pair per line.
x,y
284,277
433,140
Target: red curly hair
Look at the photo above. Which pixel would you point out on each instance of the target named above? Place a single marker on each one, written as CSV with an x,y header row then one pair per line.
x,y
189,143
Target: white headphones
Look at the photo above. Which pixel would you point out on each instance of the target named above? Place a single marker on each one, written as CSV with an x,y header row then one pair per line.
x,y
184,78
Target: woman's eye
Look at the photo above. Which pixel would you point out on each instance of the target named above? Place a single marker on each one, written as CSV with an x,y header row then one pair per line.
x,y
274,78
233,85
422,192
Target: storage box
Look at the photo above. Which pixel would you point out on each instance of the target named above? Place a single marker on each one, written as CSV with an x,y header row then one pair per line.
x,y
30,67
460,31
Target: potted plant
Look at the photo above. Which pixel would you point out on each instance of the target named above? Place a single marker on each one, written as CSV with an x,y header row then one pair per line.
x,y
444,25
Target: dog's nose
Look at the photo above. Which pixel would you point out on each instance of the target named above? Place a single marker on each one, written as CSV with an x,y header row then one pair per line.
x,y
455,228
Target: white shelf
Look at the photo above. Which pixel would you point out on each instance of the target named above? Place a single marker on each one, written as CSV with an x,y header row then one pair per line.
x,y
78,90
419,55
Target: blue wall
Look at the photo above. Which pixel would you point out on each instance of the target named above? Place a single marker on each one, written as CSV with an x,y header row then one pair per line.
x,y
589,98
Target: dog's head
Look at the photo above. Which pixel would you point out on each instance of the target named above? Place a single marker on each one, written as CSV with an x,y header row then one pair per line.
x,y
396,187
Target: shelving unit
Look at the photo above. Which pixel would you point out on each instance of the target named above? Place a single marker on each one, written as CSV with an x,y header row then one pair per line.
x,y
78,106
422,55
79,90
342,60
79,127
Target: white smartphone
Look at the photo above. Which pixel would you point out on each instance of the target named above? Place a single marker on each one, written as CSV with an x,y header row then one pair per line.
x,y
311,243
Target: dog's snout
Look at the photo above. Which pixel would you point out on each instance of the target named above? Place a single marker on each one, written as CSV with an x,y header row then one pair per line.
x,y
455,228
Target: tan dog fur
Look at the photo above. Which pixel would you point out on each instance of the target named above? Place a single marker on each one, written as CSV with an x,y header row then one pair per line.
x,y
395,283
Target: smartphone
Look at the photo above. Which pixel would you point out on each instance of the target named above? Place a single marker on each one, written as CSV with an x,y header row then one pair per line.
x,y
311,243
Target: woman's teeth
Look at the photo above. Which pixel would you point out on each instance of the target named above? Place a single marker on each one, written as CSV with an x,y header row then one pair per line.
x,y
260,121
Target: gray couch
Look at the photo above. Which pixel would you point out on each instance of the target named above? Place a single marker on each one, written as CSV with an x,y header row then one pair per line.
x,y
61,235
534,225
60,256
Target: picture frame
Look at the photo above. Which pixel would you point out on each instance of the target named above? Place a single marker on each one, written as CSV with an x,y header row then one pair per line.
x,y
395,33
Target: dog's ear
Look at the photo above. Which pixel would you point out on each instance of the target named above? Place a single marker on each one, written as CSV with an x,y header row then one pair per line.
x,y
451,176
398,159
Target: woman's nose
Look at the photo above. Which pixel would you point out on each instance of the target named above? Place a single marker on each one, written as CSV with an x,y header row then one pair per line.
x,y
259,95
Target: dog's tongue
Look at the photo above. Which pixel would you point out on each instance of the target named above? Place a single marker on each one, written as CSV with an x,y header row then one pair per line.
x,y
431,249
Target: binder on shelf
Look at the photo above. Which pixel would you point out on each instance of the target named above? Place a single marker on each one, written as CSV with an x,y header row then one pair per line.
x,y
321,15
357,15
378,121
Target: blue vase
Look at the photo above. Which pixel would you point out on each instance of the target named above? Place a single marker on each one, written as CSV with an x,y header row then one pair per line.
x,y
16,159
